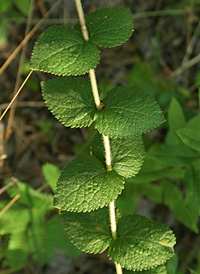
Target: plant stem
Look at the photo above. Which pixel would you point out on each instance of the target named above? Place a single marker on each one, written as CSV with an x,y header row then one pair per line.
x,y
113,220
94,88
82,19
107,152
118,268
105,138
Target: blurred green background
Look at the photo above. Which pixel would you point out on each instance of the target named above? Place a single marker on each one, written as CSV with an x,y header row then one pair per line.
x,y
161,58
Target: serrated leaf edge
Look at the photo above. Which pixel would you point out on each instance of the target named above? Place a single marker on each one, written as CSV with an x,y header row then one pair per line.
x,y
116,45
60,119
143,157
124,136
61,74
98,207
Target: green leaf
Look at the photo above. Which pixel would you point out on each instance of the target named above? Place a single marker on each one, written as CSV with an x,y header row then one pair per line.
x,y
176,155
51,174
86,185
36,237
70,100
61,50
5,5
31,197
141,244
152,191
192,190
90,231
190,137
174,199
125,114
194,123
199,97
158,270
127,202
23,6
172,265
16,217
176,117
55,237
127,154
152,169
109,27
3,30
17,252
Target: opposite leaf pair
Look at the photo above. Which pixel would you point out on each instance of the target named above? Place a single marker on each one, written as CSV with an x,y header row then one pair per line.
x,y
125,112
141,243
62,50
85,184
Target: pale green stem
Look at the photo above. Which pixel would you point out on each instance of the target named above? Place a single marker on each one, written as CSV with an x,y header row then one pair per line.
x,y
94,88
82,19
107,152
113,219
118,268
105,138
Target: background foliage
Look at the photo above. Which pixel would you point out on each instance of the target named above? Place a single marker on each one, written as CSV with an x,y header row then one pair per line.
x,y
167,187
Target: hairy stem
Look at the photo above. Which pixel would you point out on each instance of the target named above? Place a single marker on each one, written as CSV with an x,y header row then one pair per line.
x,y
105,138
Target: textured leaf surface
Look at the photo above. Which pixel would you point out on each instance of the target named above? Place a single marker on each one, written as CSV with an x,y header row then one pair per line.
x,y
127,154
141,244
128,112
158,270
109,27
61,50
85,185
89,231
190,137
70,100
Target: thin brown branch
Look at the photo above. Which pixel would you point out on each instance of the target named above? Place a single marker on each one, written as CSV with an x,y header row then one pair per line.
x,y
3,189
9,204
186,65
31,104
27,38
19,74
10,104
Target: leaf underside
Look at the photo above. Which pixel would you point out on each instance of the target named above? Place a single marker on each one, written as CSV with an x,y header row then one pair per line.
x,y
61,50
90,232
127,154
127,112
109,27
142,243
70,100
86,185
